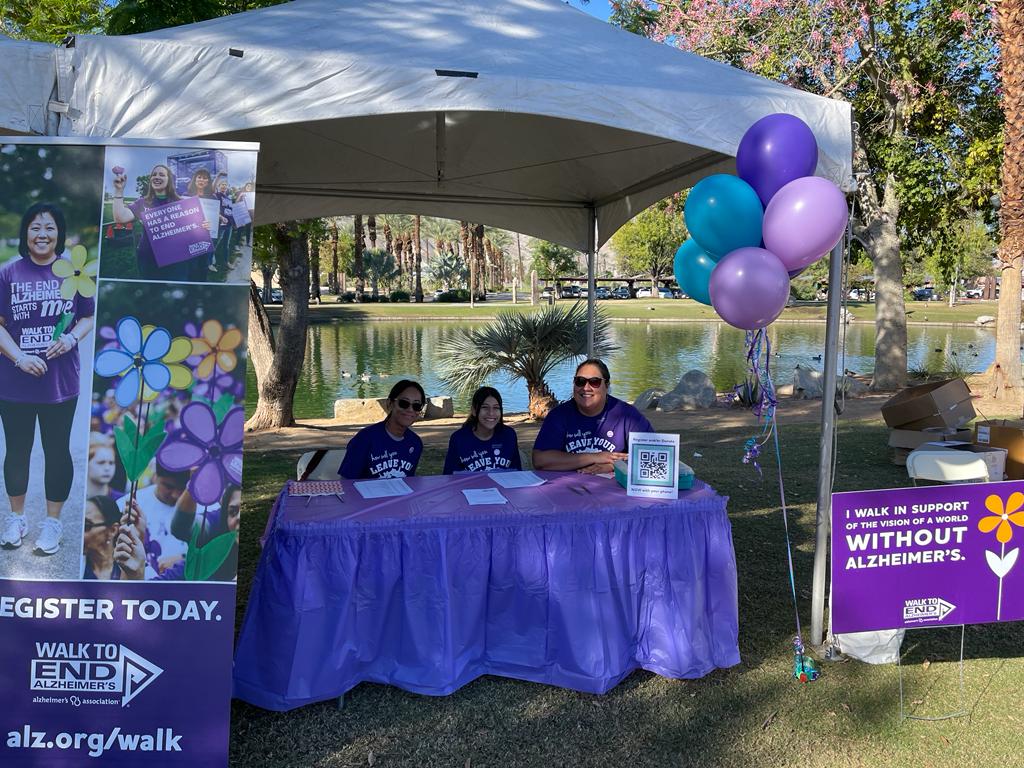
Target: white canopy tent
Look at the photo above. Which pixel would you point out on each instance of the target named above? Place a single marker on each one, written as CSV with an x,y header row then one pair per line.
x,y
524,114
27,80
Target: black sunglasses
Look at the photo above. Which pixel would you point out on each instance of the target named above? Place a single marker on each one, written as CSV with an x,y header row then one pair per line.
x,y
581,381
89,525
405,405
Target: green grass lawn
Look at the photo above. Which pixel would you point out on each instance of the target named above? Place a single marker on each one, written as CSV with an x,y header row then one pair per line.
x,y
754,714
635,309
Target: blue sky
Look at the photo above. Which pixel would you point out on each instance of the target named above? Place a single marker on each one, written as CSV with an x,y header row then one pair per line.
x,y
598,8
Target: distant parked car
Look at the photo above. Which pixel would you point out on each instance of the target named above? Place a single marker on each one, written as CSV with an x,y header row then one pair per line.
x,y
276,296
602,293
571,292
645,293
622,292
925,294
973,293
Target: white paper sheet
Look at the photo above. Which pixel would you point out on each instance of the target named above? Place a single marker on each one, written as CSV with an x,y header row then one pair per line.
x,y
211,210
380,489
484,496
525,479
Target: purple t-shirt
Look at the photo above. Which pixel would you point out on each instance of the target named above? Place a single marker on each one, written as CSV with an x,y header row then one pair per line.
x,y
566,429
468,453
373,452
30,308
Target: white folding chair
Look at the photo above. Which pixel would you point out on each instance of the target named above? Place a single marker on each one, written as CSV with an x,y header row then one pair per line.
x,y
946,467
327,462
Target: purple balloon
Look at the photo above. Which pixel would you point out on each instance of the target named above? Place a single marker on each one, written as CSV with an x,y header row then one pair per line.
x,y
749,288
774,151
804,221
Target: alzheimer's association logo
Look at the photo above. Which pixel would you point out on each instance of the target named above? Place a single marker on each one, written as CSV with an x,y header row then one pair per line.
x,y
106,668
926,609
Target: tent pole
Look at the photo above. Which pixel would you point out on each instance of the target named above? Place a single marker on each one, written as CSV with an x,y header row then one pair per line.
x,y
828,419
591,283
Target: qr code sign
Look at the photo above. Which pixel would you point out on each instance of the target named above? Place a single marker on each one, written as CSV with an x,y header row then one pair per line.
x,y
654,465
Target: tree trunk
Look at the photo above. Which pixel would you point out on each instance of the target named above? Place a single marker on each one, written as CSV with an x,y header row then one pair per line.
x,y
478,254
542,400
1010,31
371,230
314,270
418,290
267,270
279,378
357,256
335,286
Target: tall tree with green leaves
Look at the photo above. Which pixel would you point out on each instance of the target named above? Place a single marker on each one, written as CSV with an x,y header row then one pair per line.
x,y
920,77
552,261
648,242
50,21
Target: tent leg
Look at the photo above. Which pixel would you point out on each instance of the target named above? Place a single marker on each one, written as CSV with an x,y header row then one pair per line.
x,y
828,417
591,283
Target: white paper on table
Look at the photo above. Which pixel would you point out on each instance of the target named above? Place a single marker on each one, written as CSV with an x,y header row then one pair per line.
x,y
211,210
379,489
524,479
484,496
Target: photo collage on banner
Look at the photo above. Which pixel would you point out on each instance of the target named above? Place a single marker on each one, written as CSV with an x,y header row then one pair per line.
x,y
124,274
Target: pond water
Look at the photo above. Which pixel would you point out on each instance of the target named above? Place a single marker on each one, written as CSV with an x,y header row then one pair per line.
x,y
648,355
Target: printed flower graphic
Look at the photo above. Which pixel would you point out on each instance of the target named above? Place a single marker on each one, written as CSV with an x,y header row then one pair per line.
x,y
217,348
1002,516
215,452
138,360
179,350
999,521
78,273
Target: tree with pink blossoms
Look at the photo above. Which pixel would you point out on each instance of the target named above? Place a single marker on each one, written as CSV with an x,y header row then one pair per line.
x,y
921,77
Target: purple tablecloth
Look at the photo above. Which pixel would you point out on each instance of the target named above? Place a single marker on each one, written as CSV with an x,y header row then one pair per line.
x,y
572,583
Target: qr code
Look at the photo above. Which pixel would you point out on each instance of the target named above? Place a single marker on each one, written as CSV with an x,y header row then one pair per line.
x,y
654,465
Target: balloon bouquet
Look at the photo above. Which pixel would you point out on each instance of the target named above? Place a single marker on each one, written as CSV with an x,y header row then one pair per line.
x,y
750,234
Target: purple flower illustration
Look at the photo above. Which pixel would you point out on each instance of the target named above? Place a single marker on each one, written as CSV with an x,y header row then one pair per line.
x,y
215,452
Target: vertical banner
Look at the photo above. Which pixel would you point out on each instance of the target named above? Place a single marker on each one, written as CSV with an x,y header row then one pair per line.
x,y
124,273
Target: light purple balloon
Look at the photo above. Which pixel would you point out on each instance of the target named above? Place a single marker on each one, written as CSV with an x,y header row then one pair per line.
x,y
804,221
775,150
749,288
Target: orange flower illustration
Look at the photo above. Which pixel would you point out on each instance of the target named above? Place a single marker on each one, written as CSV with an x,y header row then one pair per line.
x,y
217,348
1002,516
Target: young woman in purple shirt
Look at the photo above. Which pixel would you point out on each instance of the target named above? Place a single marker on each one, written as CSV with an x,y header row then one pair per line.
x,y
388,448
484,443
40,332
591,431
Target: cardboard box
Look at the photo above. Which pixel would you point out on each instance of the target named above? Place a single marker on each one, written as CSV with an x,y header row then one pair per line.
x,y
1008,435
913,438
939,404
995,458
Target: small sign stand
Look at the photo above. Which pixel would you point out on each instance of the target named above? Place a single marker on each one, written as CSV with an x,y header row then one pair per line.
x,y
961,710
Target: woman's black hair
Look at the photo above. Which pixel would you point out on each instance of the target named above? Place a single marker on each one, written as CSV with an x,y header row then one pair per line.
x,y
600,365
30,214
402,386
107,507
192,182
222,519
478,400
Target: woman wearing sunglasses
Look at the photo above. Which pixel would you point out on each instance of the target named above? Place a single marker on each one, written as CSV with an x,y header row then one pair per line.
x,y
483,443
389,448
591,431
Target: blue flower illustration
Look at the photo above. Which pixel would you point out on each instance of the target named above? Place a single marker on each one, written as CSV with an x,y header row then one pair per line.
x,y
138,361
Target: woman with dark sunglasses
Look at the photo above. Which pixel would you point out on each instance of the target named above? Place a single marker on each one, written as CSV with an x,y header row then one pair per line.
x,y
484,443
389,448
591,431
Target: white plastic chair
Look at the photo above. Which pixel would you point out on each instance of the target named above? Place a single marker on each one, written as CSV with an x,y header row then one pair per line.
x,y
326,469
946,467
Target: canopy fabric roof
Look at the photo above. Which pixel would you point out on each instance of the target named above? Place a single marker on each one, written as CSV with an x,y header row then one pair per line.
x,y
26,81
522,114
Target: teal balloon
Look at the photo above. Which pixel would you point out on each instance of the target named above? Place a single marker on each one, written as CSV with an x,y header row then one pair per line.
x,y
723,213
692,267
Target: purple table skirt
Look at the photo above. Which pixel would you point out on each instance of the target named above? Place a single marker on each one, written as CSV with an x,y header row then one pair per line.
x,y
571,584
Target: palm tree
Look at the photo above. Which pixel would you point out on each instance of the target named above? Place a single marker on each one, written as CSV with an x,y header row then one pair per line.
x,y
357,256
1010,26
418,287
526,346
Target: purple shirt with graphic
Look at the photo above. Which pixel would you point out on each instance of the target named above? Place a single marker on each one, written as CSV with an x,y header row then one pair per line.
x,y
30,308
468,453
566,429
374,452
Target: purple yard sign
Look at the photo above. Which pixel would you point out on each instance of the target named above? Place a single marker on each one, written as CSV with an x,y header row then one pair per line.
x,y
920,557
176,231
